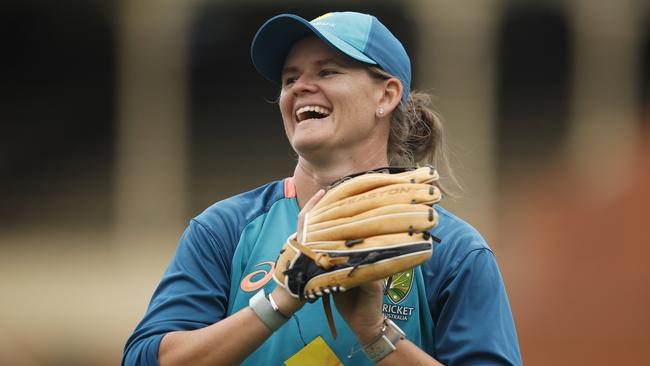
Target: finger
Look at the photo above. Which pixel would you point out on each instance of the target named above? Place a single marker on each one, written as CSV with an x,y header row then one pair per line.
x,y
372,286
313,200
308,206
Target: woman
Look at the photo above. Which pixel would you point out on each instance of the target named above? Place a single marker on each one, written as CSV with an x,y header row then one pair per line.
x,y
347,107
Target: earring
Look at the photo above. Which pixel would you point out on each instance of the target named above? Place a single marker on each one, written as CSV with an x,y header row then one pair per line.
x,y
380,111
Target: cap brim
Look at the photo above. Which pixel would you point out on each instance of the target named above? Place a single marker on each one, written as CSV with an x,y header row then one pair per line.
x,y
274,39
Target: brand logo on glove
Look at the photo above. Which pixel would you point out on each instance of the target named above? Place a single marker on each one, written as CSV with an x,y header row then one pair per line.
x,y
374,195
257,279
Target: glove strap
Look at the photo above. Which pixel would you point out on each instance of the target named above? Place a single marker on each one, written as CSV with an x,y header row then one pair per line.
x,y
328,312
321,259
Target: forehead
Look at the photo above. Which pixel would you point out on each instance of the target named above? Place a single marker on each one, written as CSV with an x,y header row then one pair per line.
x,y
313,50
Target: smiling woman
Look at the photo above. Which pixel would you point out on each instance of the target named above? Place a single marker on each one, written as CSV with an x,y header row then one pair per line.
x,y
346,107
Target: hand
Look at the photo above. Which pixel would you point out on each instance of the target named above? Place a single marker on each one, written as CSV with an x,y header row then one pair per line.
x,y
287,304
360,307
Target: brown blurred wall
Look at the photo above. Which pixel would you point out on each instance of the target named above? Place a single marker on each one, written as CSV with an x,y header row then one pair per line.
x,y
121,120
577,265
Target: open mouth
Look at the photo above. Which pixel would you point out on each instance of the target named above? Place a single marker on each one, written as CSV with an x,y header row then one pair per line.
x,y
312,112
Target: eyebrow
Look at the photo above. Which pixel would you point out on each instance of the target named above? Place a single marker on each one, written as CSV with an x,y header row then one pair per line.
x,y
323,62
330,60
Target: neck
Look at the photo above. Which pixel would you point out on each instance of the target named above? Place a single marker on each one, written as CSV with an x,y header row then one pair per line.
x,y
309,177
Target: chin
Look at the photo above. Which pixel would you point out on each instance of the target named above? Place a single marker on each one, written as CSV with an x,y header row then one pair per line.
x,y
310,145
307,147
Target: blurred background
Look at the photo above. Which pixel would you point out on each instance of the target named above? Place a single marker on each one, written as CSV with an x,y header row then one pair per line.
x,y
121,120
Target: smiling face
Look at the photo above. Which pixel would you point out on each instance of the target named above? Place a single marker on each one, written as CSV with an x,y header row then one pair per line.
x,y
329,104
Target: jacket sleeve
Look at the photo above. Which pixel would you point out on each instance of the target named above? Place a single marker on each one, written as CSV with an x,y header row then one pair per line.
x,y
192,294
472,316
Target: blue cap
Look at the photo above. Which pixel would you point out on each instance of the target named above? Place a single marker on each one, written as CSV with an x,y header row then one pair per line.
x,y
359,36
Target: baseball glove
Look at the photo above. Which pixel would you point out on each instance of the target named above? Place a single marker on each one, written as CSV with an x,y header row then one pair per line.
x,y
366,227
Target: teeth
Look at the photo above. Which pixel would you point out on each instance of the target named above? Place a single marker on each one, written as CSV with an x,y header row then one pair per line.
x,y
312,108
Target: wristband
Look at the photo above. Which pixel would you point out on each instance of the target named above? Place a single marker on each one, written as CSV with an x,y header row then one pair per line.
x,y
267,310
384,343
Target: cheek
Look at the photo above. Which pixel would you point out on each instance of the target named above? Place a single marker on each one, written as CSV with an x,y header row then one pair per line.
x,y
285,106
283,103
361,105
365,96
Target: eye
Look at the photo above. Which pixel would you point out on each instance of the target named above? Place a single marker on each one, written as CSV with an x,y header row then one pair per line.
x,y
289,80
327,72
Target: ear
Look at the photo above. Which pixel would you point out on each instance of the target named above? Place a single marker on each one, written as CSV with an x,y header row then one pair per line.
x,y
391,95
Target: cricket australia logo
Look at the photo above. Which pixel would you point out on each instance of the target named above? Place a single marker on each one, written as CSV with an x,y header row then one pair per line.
x,y
396,291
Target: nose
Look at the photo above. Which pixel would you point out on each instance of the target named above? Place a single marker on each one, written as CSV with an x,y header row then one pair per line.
x,y
304,84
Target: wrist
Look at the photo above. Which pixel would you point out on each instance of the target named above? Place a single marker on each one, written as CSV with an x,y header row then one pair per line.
x,y
367,334
384,342
287,304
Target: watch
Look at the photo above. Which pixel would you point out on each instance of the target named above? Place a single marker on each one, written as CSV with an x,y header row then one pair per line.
x,y
264,306
385,342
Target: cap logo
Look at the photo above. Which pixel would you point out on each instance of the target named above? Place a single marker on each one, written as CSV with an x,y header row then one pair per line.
x,y
318,21
324,24
324,16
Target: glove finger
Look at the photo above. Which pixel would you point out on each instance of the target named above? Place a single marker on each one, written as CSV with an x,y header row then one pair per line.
x,y
379,221
340,281
372,242
388,195
368,264
370,181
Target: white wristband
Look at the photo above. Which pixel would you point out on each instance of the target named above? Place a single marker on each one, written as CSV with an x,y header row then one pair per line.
x,y
267,310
